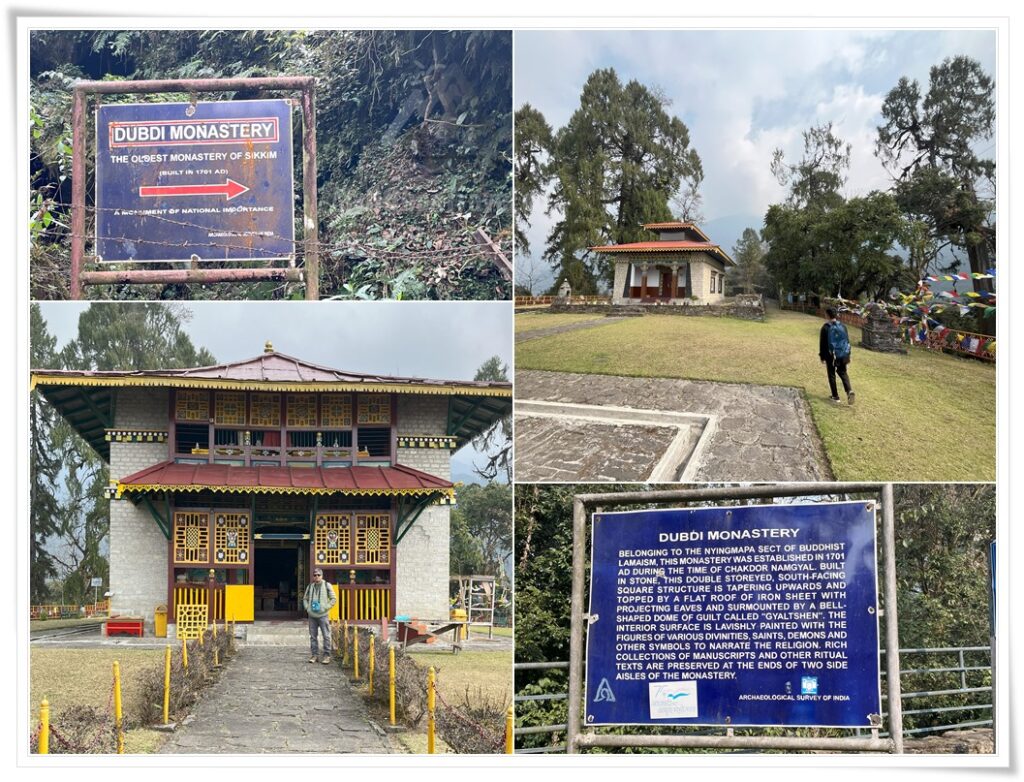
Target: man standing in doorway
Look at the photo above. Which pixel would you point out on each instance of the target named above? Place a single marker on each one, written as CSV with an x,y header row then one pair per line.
x,y
318,601
835,353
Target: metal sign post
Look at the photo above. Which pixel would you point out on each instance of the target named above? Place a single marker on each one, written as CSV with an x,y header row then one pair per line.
x,y
195,182
733,616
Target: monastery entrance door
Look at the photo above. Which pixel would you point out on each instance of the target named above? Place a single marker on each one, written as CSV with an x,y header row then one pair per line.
x,y
280,577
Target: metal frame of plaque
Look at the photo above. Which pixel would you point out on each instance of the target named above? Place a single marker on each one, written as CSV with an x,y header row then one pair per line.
x,y
308,273
580,736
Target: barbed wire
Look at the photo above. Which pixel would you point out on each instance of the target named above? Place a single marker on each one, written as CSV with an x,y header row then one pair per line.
x,y
298,245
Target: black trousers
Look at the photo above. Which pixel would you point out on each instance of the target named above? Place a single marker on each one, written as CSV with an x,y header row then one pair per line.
x,y
837,366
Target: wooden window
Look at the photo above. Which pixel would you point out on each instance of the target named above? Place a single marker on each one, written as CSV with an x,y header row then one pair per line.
x,y
332,539
265,410
191,538
374,409
721,279
191,405
231,538
373,539
336,410
301,410
712,282
229,408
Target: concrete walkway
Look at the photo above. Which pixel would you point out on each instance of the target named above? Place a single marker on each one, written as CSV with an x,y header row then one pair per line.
x,y
523,336
270,699
762,433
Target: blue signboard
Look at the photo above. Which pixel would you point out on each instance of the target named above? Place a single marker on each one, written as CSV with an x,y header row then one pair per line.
x,y
755,615
194,182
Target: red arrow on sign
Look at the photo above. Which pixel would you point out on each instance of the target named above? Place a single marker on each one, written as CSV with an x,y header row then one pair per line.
x,y
230,188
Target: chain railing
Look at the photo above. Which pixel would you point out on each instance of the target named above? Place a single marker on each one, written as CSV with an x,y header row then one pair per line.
x,y
952,681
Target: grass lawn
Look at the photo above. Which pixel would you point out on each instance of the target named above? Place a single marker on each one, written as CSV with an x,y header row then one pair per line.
x,y
487,675
496,632
533,321
68,677
59,624
919,417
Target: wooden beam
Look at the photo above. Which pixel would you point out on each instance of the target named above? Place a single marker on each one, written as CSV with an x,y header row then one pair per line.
x,y
161,522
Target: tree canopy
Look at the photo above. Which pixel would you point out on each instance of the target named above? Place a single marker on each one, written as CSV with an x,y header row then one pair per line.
x,y
618,163
931,143
70,514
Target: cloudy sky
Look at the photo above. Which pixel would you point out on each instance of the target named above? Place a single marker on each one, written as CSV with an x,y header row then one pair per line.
x,y
447,341
742,93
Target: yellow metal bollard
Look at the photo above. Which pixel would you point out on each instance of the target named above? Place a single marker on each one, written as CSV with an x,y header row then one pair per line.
x,y
167,684
355,652
44,727
184,654
510,724
430,710
118,722
372,665
391,680
344,645
214,631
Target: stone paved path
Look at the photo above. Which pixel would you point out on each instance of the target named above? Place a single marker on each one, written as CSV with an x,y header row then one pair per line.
x,y
762,433
269,699
523,336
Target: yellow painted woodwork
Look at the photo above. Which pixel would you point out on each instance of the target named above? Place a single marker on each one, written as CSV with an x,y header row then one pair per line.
x,y
191,538
231,538
190,620
192,405
265,410
300,410
374,409
239,602
334,614
128,381
373,539
229,408
332,539
336,411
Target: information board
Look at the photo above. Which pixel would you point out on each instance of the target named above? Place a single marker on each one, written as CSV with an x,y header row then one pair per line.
x,y
750,615
210,181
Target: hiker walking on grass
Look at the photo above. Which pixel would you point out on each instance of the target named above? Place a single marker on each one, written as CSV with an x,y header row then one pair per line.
x,y
834,352
318,600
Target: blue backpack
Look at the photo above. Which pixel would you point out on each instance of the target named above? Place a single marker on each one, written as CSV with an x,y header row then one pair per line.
x,y
838,340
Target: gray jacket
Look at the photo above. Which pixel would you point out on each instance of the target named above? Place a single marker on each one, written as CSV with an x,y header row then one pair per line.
x,y
324,594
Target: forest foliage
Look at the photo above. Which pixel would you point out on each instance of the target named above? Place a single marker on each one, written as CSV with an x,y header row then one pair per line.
x,y
414,149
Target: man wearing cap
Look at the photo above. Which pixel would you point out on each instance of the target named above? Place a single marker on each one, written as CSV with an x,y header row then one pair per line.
x,y
318,601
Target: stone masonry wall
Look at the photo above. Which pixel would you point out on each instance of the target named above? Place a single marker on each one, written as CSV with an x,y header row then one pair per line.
x,y
621,270
734,307
422,557
138,549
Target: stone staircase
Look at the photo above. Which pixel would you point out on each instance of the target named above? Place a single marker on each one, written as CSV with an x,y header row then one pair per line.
x,y
275,632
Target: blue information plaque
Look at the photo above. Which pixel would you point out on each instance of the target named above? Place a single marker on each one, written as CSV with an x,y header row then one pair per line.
x,y
749,615
208,181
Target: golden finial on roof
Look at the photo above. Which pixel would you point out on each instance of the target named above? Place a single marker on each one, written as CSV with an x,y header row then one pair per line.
x,y
268,347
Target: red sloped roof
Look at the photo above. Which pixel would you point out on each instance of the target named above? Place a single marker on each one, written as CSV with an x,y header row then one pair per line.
x,y
675,225
665,247
172,476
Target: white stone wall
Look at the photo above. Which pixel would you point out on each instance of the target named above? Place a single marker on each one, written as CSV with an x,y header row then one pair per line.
x,y
422,415
621,274
421,572
138,549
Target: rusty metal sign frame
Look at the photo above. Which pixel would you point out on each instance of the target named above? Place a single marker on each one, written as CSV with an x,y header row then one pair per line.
x,y
578,738
310,273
